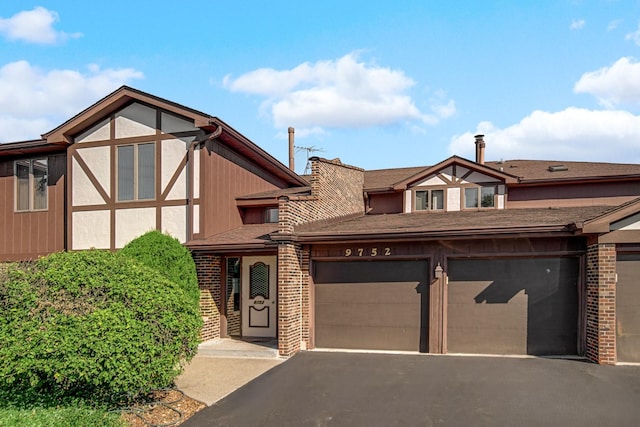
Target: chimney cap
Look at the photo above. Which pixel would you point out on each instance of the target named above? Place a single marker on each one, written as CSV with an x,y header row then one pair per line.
x,y
291,129
479,137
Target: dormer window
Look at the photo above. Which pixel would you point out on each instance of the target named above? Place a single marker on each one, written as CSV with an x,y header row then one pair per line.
x,y
429,200
479,197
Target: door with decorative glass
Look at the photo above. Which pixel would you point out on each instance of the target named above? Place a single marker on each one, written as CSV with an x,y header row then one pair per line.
x,y
259,296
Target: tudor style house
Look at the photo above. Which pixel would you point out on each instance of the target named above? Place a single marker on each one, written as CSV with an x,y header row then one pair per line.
x,y
510,257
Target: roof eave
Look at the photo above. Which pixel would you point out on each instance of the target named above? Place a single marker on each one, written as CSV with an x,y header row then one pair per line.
x,y
113,102
463,233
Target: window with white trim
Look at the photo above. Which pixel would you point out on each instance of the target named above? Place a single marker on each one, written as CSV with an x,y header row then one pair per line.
x,y
432,200
136,171
31,176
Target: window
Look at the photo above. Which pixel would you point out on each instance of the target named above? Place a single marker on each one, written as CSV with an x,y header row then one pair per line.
x,y
233,283
31,185
271,215
429,200
479,197
136,172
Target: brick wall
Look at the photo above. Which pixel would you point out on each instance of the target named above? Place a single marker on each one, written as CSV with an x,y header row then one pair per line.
x,y
336,191
209,270
601,303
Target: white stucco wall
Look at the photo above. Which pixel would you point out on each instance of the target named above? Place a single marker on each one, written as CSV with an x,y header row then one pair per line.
x,y
173,152
174,222
98,132
131,223
91,230
135,120
172,124
98,160
453,199
196,219
196,174
84,193
408,195
431,181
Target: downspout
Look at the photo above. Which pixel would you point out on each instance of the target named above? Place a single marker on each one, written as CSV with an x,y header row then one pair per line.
x,y
191,178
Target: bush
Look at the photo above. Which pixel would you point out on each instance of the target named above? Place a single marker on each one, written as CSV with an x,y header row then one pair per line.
x,y
93,324
168,256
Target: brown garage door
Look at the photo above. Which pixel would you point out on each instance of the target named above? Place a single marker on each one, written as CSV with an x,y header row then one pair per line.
x,y
378,305
513,306
628,308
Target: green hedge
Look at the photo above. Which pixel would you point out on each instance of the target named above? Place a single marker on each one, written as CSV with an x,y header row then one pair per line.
x,y
93,324
168,256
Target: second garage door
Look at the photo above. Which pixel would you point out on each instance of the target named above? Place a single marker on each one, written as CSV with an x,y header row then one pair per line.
x,y
378,305
513,306
628,308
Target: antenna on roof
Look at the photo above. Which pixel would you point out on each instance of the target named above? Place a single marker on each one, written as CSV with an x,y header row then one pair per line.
x,y
309,151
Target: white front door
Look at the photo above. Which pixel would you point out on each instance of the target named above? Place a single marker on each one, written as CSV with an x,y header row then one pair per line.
x,y
259,296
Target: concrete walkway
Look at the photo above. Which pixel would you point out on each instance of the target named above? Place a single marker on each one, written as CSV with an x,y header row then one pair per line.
x,y
224,365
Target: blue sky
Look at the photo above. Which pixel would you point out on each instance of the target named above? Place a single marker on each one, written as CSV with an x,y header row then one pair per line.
x,y
377,84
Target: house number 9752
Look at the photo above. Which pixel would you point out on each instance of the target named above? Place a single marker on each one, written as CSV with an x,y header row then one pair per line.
x,y
367,252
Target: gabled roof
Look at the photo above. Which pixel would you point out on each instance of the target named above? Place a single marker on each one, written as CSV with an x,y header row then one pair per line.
x,y
545,171
271,197
35,146
250,236
602,223
121,97
383,179
451,161
422,225
527,172
113,102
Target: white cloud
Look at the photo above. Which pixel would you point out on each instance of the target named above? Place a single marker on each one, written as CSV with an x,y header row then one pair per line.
x,y
617,84
577,24
614,24
34,26
571,134
32,99
341,93
634,36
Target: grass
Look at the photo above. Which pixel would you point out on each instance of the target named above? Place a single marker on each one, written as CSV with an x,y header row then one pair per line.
x,y
26,408
62,417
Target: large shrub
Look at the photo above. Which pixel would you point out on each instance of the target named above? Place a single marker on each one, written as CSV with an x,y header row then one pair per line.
x,y
168,256
93,323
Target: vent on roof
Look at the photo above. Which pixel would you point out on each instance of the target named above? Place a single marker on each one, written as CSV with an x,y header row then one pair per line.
x,y
558,168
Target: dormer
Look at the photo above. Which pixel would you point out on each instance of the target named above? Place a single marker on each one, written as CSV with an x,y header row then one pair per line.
x,y
453,185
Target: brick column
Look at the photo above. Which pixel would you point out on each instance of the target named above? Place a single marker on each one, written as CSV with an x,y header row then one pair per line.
x,y
209,270
601,303
290,291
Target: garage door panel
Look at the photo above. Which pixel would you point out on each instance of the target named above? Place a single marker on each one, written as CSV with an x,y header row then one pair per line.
x,y
517,306
404,315
371,305
486,328
628,308
368,293
368,337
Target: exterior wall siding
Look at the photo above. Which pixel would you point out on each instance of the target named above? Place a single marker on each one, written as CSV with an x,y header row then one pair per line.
x,y
604,194
601,303
222,182
28,235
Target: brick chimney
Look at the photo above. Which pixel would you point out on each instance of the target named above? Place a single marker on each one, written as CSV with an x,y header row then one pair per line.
x,y
480,149
291,150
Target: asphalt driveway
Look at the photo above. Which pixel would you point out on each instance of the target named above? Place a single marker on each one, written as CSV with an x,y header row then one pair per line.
x,y
348,389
